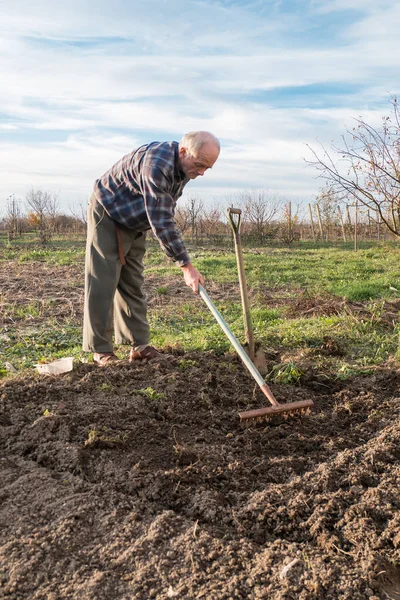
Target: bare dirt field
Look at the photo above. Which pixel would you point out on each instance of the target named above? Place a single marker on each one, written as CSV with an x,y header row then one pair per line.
x,y
138,482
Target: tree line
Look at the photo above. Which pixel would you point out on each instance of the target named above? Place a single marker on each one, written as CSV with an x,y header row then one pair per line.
x,y
267,219
360,199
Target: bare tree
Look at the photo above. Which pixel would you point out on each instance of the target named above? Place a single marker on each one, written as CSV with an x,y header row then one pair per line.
x,y
371,174
260,208
212,225
79,212
327,205
182,219
13,218
39,202
53,212
194,207
288,233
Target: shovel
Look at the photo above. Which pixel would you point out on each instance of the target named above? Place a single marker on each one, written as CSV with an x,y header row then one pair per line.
x,y
259,413
255,350
248,327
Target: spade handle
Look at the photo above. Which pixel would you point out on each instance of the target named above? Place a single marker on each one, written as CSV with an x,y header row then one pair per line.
x,y
248,327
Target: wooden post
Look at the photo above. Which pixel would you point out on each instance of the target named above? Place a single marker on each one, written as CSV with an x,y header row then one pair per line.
x,y
311,222
369,225
319,221
355,227
289,213
393,218
342,224
348,219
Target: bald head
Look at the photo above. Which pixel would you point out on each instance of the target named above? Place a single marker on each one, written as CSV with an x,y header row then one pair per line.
x,y
195,140
198,151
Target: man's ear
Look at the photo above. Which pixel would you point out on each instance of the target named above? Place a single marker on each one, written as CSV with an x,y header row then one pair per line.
x,y
182,151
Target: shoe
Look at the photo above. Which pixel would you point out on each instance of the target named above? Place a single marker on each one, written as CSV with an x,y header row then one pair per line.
x,y
103,358
143,353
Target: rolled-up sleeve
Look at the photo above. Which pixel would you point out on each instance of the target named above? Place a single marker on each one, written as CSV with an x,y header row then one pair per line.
x,y
160,205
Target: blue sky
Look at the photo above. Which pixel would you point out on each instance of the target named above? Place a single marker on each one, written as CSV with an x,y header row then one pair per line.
x,y
85,81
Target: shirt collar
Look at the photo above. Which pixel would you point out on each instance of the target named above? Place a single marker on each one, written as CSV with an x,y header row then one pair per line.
x,y
178,173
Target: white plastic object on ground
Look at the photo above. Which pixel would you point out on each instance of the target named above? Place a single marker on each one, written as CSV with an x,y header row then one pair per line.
x,y
63,365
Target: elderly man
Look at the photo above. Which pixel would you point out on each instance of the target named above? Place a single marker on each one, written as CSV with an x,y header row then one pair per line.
x,y
137,194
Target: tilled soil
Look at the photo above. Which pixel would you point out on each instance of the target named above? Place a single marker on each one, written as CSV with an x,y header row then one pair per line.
x,y
139,481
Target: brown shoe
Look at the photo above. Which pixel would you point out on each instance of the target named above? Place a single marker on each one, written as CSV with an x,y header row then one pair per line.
x,y
103,358
143,353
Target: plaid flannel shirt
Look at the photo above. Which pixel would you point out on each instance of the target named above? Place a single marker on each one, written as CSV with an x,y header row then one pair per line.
x,y
140,192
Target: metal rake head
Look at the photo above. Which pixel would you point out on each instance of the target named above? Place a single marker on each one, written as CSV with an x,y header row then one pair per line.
x,y
283,410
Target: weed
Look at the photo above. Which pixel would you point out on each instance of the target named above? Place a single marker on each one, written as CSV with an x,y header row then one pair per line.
x,y
93,435
185,364
162,290
288,373
23,311
152,394
105,438
106,387
346,371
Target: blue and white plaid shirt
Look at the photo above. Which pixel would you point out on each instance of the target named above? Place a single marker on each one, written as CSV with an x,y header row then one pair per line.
x,y
141,190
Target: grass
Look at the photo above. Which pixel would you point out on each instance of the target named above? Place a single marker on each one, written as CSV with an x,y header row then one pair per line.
x,y
50,255
24,347
277,277
365,274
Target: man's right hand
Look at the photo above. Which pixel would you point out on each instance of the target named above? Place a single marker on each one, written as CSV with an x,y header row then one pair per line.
x,y
192,277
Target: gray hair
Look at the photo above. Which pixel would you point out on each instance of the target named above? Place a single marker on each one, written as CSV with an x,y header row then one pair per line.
x,y
195,140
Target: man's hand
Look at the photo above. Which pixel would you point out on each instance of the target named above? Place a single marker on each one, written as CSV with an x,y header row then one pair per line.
x,y
192,277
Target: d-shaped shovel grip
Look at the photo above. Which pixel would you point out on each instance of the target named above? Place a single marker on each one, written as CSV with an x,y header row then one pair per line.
x,y
235,224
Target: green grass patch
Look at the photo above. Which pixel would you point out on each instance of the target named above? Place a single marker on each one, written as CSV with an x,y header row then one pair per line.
x,y
369,277
24,348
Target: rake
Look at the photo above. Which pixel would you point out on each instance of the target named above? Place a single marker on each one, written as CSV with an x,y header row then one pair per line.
x,y
302,406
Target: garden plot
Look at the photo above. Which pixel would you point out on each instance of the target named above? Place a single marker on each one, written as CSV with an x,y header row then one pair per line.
x,y
138,481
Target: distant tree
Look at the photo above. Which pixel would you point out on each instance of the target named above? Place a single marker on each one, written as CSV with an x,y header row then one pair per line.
x,y
79,212
328,204
260,207
195,208
366,168
33,220
68,224
40,203
211,224
287,230
13,218
182,219
53,212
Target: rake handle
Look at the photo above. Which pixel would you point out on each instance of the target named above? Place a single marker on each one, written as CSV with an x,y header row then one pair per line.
x,y
238,347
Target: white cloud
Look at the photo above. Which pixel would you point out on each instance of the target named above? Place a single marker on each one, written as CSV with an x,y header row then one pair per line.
x,y
77,99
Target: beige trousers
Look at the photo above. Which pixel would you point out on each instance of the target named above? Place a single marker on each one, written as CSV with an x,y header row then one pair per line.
x,y
114,298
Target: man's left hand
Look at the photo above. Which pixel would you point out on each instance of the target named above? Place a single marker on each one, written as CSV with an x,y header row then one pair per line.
x,y
192,277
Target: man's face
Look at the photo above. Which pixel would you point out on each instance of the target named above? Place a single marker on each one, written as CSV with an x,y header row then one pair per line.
x,y
193,166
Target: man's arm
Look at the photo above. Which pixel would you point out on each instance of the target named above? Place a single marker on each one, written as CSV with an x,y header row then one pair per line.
x,y
159,206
